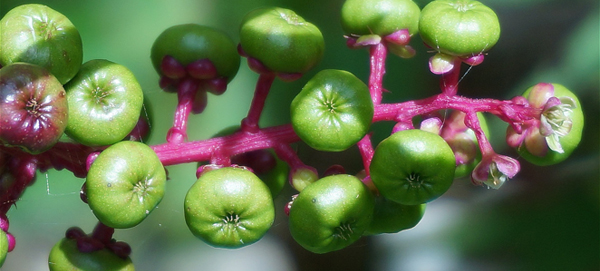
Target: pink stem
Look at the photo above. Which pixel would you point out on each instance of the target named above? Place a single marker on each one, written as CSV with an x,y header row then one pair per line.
x,y
185,94
449,80
472,122
377,61
366,151
250,123
239,142
404,112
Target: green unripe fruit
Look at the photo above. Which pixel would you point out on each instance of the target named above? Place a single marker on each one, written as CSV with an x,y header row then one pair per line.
x,y
459,27
125,183
65,256
333,111
281,40
413,167
331,213
392,217
188,43
39,35
380,17
105,101
229,207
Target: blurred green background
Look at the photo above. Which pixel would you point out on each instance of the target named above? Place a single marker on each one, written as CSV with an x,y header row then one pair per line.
x,y
546,218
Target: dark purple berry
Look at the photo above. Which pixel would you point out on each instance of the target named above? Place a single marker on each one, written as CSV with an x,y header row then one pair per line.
x,y
33,107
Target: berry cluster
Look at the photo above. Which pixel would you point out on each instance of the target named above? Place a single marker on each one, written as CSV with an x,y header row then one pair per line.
x,y
57,112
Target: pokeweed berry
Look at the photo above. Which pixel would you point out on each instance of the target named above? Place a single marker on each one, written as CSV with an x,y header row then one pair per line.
x,y
413,167
392,217
281,40
331,213
39,35
379,17
333,111
553,136
124,184
33,107
459,27
229,207
65,255
199,51
105,101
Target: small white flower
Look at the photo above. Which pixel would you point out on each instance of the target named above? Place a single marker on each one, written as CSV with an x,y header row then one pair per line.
x,y
494,170
555,121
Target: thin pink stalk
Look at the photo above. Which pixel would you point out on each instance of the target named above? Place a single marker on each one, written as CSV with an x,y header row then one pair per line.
x,y
449,80
250,123
507,110
378,55
185,98
472,122
239,142
365,147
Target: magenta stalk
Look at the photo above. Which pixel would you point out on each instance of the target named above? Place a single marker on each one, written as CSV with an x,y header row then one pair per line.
x,y
185,99
449,80
378,55
263,85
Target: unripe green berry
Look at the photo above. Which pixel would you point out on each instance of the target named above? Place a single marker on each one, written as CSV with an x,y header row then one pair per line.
x,y
66,256
380,17
459,27
188,43
282,40
39,35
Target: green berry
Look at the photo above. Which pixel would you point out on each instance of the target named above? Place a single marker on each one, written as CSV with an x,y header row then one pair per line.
x,y
331,213
459,27
281,39
229,207
392,217
413,167
65,256
333,111
105,101
39,35
380,17
125,183
188,43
